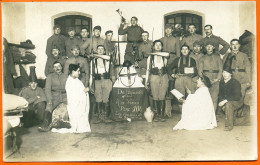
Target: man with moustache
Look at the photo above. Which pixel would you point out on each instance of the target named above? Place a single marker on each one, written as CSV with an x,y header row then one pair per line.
x,y
56,39
55,93
55,57
217,41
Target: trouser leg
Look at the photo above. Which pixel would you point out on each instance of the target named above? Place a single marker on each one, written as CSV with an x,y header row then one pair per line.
x,y
162,109
46,122
155,110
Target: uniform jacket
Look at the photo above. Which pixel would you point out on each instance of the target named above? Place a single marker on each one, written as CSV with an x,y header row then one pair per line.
x,y
55,87
31,95
90,44
196,57
144,48
69,43
171,44
134,33
109,46
189,40
217,41
57,40
210,62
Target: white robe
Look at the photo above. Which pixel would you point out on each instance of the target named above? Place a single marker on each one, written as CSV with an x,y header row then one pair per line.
x,y
197,112
78,107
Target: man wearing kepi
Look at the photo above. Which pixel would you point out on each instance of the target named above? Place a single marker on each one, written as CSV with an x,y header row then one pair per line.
x,y
56,39
217,41
158,78
84,66
134,33
101,76
211,65
229,95
55,94
241,66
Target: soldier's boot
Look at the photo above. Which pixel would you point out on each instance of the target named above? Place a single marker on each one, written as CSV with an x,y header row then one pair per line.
x,y
162,109
155,118
99,113
105,116
159,109
46,122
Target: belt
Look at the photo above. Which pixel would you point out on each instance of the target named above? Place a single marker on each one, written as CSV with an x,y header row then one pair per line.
x,y
58,91
211,71
238,70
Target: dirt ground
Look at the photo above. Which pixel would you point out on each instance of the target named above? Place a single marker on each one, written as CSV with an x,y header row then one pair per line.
x,y
138,141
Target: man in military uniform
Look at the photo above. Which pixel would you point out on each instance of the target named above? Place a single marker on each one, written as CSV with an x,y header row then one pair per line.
x,y
145,47
196,54
211,65
36,99
55,93
110,47
171,44
217,41
72,40
102,73
134,38
56,39
192,37
90,47
84,37
76,59
183,69
55,57
240,65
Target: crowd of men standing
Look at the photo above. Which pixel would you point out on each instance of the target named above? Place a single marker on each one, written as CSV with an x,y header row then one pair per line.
x,y
189,56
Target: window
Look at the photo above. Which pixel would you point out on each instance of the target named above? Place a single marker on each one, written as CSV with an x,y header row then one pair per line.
x,y
185,19
76,21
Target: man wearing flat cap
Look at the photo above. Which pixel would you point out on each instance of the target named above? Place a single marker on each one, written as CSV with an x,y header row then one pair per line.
x,y
56,39
217,41
211,66
230,98
90,47
192,37
55,57
76,59
134,38
72,40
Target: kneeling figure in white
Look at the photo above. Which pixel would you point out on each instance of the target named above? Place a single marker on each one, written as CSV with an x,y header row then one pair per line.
x,y
198,110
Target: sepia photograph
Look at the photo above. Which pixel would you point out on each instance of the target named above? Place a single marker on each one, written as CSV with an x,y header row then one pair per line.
x,y
129,81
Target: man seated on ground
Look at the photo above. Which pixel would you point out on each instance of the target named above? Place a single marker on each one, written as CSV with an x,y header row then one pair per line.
x,y
37,102
229,96
55,93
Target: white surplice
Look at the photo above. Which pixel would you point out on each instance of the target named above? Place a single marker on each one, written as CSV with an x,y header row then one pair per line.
x,y
78,107
197,112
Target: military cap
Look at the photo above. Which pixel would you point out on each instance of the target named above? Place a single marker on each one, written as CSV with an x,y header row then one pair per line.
x,y
71,29
75,47
197,43
209,43
97,28
168,26
54,47
109,31
56,26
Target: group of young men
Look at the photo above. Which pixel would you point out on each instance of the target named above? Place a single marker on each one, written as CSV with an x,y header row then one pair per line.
x,y
167,63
